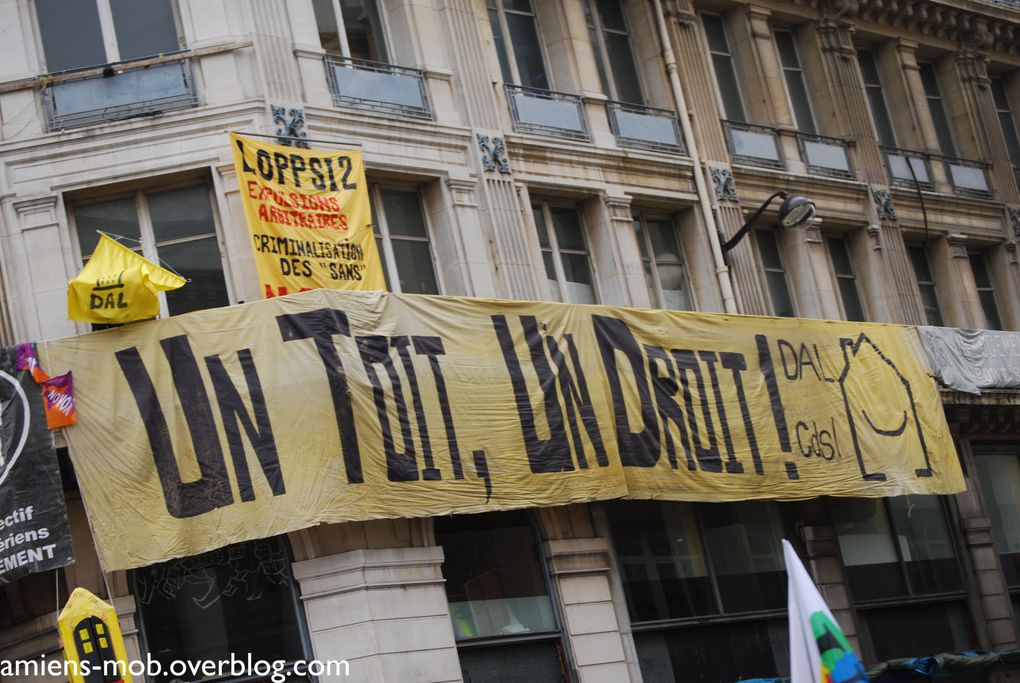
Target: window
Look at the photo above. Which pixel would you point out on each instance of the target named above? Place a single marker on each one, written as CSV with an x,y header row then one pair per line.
x,y
926,285
351,28
796,85
998,467
937,107
77,34
515,35
402,238
846,279
236,601
1006,121
876,98
565,254
986,294
899,558
775,274
174,228
723,67
610,39
705,587
503,618
665,272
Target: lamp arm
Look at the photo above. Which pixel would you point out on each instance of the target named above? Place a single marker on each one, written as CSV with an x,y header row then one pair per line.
x,y
733,241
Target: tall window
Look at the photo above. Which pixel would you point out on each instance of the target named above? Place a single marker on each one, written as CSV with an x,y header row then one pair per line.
x,y
1006,121
986,293
796,85
723,67
174,228
926,285
610,39
876,97
503,618
937,107
904,575
236,601
77,34
402,238
705,587
351,28
775,273
846,279
665,272
565,254
998,467
515,34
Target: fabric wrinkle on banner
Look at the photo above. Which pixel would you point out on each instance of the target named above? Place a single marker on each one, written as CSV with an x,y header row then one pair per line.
x,y
338,406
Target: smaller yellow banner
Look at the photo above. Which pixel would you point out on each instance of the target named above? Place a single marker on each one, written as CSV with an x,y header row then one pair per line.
x,y
92,639
309,218
118,285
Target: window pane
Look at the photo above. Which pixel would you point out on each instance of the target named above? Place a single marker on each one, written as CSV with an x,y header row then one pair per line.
x,y
914,630
662,562
119,217
364,29
181,213
669,266
873,86
867,546
199,262
845,279
540,227
71,35
239,600
852,308
926,285
414,267
985,292
716,33
500,44
779,293
729,90
769,248
567,224
611,14
743,541
715,653
927,550
795,84
577,273
621,59
325,22
403,213
494,580
527,52
530,661
144,28
550,273
1000,492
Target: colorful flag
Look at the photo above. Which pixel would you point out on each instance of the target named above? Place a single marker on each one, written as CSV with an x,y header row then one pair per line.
x,y
25,359
819,652
58,400
118,286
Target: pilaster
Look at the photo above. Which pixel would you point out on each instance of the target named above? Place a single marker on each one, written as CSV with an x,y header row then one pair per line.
x,y
955,282
610,225
897,293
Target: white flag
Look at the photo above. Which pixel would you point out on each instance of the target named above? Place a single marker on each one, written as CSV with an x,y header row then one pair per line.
x,y
819,652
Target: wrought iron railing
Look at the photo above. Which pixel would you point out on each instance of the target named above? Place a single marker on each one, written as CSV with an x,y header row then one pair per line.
x,y
968,178
753,145
119,92
824,155
544,112
906,167
378,87
644,127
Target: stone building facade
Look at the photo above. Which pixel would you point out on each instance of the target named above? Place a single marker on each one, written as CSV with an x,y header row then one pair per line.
x,y
531,149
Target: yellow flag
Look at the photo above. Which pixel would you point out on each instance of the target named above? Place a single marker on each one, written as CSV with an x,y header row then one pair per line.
x,y
92,639
308,216
117,286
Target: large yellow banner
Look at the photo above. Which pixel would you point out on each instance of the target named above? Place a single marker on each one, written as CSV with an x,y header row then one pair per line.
x,y
242,422
309,218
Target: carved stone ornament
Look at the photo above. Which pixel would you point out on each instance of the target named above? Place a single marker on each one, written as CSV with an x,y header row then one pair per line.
x,y
494,153
290,132
1014,220
874,233
883,204
725,187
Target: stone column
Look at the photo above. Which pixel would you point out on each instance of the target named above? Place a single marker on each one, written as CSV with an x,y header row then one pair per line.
x,y
955,282
812,280
610,227
579,568
383,610
900,299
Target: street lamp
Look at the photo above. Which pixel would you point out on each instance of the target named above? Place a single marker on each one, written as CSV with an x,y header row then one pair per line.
x,y
793,212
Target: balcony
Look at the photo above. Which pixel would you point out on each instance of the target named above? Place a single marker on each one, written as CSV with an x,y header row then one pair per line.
x,y
906,167
378,87
968,178
119,92
544,112
753,145
826,156
644,127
